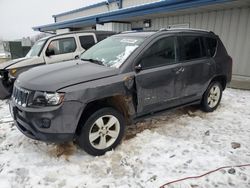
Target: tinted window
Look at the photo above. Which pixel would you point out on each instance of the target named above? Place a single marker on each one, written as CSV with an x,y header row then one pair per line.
x,y
191,48
161,52
62,46
203,47
211,45
100,37
87,41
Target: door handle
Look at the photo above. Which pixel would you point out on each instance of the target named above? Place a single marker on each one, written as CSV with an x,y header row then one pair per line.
x,y
179,70
209,63
77,57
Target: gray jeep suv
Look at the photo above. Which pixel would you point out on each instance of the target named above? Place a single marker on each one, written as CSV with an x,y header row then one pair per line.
x,y
118,81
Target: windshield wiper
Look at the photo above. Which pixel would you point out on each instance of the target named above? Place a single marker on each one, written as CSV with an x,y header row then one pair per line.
x,y
93,61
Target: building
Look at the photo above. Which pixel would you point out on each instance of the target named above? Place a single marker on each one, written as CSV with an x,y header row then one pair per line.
x,y
230,19
14,49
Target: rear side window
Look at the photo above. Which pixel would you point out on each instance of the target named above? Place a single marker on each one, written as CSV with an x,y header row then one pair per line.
x,y
162,52
191,47
101,37
211,45
87,41
62,46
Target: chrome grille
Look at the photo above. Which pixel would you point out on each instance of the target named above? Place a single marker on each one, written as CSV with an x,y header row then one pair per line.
x,y
20,96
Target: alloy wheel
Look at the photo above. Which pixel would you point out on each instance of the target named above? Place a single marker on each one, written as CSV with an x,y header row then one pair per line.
x,y
104,132
213,96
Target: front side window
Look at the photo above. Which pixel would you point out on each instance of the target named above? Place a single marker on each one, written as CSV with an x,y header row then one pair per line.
x,y
87,41
191,48
162,52
113,51
62,46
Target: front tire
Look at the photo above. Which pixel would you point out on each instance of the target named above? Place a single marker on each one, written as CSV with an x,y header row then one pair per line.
x,y
212,97
102,131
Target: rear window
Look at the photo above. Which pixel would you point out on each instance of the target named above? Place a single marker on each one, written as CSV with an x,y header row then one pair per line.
x,y
191,47
211,45
87,41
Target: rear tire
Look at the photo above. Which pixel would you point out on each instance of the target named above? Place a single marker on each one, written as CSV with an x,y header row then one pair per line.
x,y
212,97
102,131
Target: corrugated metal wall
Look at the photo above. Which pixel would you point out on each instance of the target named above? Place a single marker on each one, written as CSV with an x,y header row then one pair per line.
x,y
88,12
130,3
114,26
102,9
232,25
83,13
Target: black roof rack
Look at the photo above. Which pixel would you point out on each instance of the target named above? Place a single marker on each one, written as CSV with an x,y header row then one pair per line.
x,y
185,29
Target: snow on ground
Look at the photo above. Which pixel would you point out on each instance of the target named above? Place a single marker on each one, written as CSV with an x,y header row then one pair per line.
x,y
180,143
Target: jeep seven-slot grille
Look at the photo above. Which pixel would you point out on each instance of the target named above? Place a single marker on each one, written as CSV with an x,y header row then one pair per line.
x,y
20,96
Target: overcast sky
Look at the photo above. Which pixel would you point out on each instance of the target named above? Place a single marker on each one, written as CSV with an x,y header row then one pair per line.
x,y
17,17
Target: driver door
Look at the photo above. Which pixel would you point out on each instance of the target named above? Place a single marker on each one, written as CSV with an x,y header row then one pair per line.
x,y
158,82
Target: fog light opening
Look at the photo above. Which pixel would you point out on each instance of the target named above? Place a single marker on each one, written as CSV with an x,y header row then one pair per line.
x,y
45,123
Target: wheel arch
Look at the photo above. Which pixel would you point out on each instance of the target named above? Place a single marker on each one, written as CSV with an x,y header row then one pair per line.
x,y
122,103
222,79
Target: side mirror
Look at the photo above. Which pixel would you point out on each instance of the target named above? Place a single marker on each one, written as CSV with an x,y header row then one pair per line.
x,y
50,52
138,68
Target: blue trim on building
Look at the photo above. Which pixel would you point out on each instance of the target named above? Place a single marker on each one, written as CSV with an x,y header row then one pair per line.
x,y
117,15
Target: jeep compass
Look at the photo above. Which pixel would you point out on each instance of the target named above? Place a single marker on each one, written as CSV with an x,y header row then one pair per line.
x,y
118,81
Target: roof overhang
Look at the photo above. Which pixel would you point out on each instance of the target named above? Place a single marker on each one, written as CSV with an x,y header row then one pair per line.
x,y
159,7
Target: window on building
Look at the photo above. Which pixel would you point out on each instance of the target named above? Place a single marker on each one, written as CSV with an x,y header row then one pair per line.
x,y
211,45
191,47
162,52
87,41
62,46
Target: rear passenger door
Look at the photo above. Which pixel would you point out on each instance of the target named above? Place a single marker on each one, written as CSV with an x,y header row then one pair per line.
x,y
198,66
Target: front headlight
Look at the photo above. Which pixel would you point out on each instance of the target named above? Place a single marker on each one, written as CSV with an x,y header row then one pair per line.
x,y
47,99
13,72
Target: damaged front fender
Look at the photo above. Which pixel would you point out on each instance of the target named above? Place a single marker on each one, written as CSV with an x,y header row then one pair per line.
x,y
117,91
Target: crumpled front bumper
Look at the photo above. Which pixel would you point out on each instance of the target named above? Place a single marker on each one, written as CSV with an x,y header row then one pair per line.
x,y
63,121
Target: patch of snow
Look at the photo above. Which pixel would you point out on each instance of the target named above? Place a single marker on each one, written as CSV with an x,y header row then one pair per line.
x,y
177,144
123,56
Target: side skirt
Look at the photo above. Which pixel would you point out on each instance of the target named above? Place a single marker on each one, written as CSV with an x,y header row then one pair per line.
x,y
139,118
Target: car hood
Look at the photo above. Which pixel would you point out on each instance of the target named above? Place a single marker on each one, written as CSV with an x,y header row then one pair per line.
x,y
59,75
11,62
21,62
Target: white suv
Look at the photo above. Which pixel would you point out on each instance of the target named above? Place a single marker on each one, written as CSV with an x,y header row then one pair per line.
x,y
53,49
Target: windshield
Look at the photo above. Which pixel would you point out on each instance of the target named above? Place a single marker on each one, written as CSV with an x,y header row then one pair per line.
x,y
36,48
113,51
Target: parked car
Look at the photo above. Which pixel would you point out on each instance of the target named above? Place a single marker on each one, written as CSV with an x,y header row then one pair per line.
x,y
120,80
48,50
